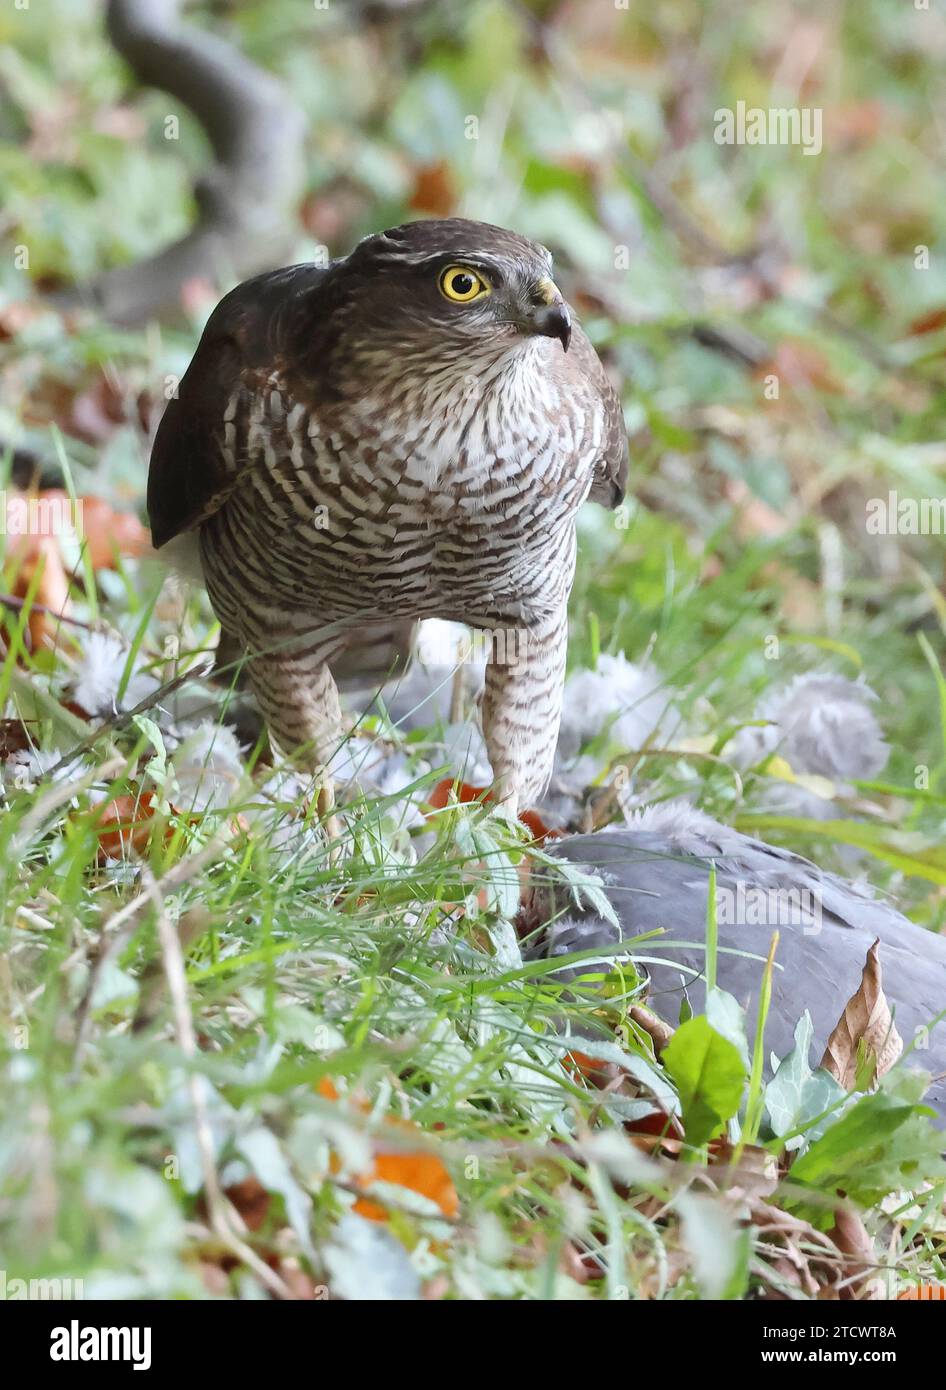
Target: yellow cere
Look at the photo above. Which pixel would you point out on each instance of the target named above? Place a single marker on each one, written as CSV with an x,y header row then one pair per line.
x,y
548,291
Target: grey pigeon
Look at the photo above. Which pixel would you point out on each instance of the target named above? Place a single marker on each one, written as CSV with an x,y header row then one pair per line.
x,y
656,875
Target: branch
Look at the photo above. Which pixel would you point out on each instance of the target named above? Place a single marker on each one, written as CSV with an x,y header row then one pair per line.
x,y
246,201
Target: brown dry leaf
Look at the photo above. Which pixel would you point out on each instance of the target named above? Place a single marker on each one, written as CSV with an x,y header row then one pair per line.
x,y
659,1032
29,555
851,1237
755,1175
933,321
14,737
803,366
33,524
866,1019
109,533
251,1200
434,191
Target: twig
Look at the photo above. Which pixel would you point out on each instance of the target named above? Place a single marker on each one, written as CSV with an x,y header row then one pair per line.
x,y
122,718
18,604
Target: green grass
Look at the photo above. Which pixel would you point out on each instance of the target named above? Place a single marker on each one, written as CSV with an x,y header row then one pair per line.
x,y
138,1086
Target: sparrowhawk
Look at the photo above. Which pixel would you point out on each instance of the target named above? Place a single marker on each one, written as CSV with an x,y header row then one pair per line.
x,y
408,432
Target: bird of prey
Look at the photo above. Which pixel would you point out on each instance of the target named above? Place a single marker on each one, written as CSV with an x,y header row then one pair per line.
x,y
406,433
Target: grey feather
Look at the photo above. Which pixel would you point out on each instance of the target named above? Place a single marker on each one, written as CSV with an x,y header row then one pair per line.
x,y
656,875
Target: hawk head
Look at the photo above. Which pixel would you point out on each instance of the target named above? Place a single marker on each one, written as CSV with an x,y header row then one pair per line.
x,y
420,328
453,285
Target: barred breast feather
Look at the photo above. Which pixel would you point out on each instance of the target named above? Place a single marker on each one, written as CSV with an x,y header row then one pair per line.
x,y
459,495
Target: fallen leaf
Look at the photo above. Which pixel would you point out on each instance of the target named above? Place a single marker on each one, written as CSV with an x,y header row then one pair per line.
x,y
861,1279
423,1173
465,793
755,1175
865,1034
109,533
930,322
124,825
14,737
659,1032
417,1171
434,190
37,565
251,1200
591,1069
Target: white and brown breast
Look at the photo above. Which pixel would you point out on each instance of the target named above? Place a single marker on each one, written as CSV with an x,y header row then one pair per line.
x,y
445,486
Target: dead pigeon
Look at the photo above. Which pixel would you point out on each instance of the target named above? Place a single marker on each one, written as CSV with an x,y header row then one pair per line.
x,y
656,875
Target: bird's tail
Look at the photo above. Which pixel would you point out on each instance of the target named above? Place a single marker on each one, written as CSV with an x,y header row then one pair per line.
x,y
374,653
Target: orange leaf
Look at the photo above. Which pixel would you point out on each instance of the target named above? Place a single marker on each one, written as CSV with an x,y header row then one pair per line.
x,y
465,793
108,532
32,553
434,190
420,1172
930,322
125,825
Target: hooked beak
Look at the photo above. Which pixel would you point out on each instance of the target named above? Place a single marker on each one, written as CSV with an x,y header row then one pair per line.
x,y
549,315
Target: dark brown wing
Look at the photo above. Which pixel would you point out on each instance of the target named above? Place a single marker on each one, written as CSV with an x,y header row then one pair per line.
x,y
189,477
610,476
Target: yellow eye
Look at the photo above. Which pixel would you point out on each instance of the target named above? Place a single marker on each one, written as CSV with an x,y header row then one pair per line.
x,y
461,284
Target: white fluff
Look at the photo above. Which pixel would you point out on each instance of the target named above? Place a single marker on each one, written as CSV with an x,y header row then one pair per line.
x,y
624,702
821,725
465,751
99,674
27,767
208,766
441,644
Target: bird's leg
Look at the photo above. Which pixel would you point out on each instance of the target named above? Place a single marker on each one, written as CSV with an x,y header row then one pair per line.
x,y
522,706
298,697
